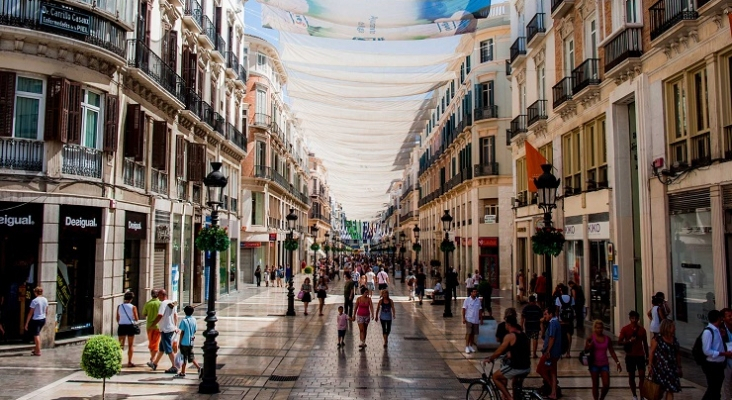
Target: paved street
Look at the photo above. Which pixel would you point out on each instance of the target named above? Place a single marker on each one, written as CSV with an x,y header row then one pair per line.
x,y
265,355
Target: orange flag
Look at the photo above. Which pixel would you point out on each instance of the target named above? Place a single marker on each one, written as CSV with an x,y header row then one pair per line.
x,y
534,160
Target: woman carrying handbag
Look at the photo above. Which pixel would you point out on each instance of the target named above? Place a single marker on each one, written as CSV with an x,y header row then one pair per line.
x,y
598,345
664,364
126,318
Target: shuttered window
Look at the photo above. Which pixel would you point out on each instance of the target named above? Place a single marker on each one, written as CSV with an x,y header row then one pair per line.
x,y
111,123
7,102
74,121
180,157
134,132
690,201
196,161
160,145
57,109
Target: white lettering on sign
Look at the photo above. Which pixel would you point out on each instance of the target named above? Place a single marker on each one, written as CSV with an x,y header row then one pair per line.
x,y
134,226
10,221
571,232
81,222
598,230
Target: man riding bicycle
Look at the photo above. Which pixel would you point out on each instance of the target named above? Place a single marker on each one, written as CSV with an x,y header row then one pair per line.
x,y
517,361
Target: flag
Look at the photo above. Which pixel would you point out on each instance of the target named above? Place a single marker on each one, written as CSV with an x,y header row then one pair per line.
x,y
534,160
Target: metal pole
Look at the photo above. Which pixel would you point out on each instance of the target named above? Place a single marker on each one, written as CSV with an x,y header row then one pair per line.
x,y
548,263
315,268
447,290
209,384
290,288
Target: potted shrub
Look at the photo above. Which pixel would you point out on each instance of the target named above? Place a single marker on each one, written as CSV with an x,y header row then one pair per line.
x,y
308,270
213,238
101,359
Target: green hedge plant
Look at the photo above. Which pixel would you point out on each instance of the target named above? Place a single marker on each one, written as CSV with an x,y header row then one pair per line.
x,y
101,359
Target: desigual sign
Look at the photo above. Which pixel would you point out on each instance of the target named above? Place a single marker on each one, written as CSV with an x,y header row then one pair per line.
x,y
135,226
81,222
10,221
16,217
84,220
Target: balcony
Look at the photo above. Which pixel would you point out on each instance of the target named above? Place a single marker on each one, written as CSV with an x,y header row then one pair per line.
x,y
261,171
518,126
194,103
232,65
243,73
219,123
196,194
586,80
708,8
518,50
623,52
193,16
82,161
21,154
261,120
701,153
159,182
181,190
207,114
318,215
159,74
208,33
560,8
236,137
133,173
562,93
535,28
487,112
220,48
671,20
97,30
488,169
409,215
536,115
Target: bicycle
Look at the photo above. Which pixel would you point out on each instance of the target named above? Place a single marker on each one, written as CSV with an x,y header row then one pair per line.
x,y
485,389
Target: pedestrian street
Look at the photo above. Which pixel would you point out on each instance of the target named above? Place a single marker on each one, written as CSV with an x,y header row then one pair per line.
x,y
265,355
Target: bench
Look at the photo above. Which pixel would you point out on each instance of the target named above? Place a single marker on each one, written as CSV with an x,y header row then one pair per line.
x,y
436,299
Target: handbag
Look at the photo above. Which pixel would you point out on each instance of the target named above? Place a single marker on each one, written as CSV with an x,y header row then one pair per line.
x,y
651,390
300,295
584,358
137,327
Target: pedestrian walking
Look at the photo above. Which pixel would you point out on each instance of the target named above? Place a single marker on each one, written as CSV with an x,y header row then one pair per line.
x,y
370,285
551,352
726,330
664,362
540,288
421,280
266,277
306,288
342,322
258,275
273,275
322,293
364,314
598,344
37,319
187,327
150,313
565,305
714,348
515,343
280,275
127,320
411,284
521,284
472,319
469,285
349,292
654,314
168,322
382,278
385,312
531,322
578,295
635,344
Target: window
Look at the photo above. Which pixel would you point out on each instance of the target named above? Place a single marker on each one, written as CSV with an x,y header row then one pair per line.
x,y
90,111
541,81
261,60
571,163
486,50
568,56
548,152
487,150
592,43
261,154
28,108
487,94
522,99
522,183
631,11
257,208
689,133
490,211
596,155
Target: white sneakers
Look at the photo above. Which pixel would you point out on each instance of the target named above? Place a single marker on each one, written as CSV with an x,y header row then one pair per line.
x,y
469,349
472,349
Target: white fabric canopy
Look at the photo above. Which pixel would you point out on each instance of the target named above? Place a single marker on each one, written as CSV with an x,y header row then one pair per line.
x,y
394,77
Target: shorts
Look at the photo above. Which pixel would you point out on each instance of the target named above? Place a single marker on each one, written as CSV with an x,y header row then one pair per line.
x,y
363,319
341,333
542,368
35,326
471,328
370,286
511,373
166,342
187,352
533,335
153,339
383,286
540,297
419,291
599,368
126,330
635,362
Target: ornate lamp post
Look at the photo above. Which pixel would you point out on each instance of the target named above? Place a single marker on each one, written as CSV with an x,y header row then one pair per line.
x,y
446,245
215,182
327,249
546,187
416,241
314,231
291,219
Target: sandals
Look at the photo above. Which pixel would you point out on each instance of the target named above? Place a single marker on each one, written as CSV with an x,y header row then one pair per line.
x,y
131,365
33,353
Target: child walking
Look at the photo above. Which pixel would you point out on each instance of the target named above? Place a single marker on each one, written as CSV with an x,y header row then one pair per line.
x,y
342,326
187,328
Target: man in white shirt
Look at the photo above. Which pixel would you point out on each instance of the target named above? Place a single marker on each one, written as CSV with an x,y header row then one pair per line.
x,y
383,279
472,319
713,347
37,318
167,321
370,281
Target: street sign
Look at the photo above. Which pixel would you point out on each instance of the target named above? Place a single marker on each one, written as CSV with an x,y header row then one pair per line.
x,y
616,273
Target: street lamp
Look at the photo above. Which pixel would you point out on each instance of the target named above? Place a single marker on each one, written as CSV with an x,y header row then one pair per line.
x,y
546,188
215,182
416,240
446,223
327,250
314,231
291,219
402,251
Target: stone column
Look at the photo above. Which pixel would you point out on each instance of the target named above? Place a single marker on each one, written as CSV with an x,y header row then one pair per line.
x,y
48,264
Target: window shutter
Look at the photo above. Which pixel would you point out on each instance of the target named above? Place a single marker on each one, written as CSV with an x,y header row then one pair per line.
x,y
7,102
165,47
57,109
491,99
478,93
74,124
491,149
184,71
134,129
160,145
111,123
196,161
180,157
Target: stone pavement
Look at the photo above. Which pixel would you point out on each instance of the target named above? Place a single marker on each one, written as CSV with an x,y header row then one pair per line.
x,y
265,355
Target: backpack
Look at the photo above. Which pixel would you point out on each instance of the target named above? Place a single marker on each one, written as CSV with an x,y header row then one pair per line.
x,y
566,312
697,351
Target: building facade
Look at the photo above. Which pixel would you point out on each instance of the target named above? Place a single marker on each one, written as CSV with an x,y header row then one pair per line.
x,y
275,172
110,119
320,207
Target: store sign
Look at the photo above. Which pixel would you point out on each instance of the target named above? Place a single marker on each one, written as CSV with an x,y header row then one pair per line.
x,y
488,242
64,17
272,237
598,230
18,217
250,245
573,232
84,220
135,226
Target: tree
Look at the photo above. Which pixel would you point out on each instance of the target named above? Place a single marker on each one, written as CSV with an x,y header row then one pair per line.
x,y
101,359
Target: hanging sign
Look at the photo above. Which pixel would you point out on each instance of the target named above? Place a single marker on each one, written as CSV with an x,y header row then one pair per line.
x,y
135,226
64,17
81,220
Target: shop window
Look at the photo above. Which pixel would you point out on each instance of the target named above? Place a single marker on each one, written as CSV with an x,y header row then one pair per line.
x,y
571,160
687,106
575,260
599,282
28,117
596,155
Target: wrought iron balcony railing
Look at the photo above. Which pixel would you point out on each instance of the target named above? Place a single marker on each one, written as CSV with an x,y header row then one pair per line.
x,y
21,154
562,91
664,14
82,161
586,74
518,48
159,182
487,169
152,65
536,112
535,27
487,112
193,9
133,173
519,124
628,44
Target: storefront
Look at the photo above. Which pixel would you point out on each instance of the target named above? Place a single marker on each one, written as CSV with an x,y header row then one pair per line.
x,y
20,230
160,272
135,234
574,249
489,266
79,230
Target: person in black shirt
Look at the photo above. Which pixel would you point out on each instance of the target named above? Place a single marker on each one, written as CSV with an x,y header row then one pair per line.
x,y
502,328
579,305
421,279
518,363
531,321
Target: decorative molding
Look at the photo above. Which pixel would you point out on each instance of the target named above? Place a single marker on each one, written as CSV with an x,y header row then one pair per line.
x,y
521,75
519,6
586,8
539,57
566,26
568,112
19,43
200,131
628,74
717,18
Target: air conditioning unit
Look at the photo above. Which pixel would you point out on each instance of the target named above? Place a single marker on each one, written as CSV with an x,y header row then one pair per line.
x,y
489,219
